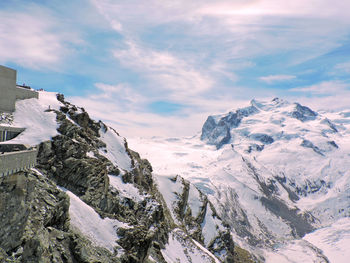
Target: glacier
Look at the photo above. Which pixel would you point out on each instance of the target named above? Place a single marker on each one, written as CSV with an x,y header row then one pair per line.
x,y
277,172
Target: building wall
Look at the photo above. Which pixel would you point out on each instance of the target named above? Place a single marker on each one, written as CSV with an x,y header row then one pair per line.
x,y
7,89
8,133
9,92
17,161
23,93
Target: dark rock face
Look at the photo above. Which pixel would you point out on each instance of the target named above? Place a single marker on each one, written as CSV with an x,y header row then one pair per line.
x,y
217,132
301,224
65,161
263,138
332,126
34,212
255,147
309,144
218,135
303,113
221,245
332,143
34,224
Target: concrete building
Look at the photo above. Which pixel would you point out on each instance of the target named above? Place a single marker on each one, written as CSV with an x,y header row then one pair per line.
x,y
10,92
13,157
8,133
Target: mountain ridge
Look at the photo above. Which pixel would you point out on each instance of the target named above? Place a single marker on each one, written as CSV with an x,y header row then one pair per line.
x,y
276,171
99,200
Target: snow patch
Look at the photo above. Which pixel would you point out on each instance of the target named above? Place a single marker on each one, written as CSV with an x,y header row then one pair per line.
x,y
126,190
170,187
115,151
102,232
333,240
185,250
39,125
210,226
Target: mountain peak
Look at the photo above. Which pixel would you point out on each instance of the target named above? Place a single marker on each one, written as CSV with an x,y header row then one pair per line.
x,y
268,105
262,123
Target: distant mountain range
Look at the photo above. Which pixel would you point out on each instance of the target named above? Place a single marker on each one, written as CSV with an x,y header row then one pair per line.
x,y
266,183
278,173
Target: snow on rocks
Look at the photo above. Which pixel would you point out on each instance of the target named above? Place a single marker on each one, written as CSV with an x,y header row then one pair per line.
x,y
333,240
127,190
171,189
40,125
115,150
185,250
282,161
102,232
191,210
211,226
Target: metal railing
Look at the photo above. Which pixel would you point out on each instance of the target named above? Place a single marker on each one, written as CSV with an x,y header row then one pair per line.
x,y
12,162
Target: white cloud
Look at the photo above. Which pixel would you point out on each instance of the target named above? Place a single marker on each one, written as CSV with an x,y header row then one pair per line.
x,y
342,68
275,7
324,88
240,28
127,110
327,95
198,44
277,78
212,37
164,69
33,39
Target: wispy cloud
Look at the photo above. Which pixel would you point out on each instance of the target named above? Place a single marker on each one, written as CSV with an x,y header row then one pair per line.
x,y
324,88
34,39
183,52
129,111
199,57
341,68
164,69
277,78
327,95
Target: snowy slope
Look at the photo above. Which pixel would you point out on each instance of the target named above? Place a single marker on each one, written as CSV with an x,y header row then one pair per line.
x,y
184,250
275,170
40,125
102,232
197,226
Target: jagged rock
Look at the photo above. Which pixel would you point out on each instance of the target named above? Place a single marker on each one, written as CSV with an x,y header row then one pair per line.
x,y
66,162
34,223
215,134
34,213
303,113
263,138
193,211
309,144
255,147
216,129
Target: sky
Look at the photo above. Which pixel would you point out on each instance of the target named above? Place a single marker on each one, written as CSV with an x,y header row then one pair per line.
x,y
160,67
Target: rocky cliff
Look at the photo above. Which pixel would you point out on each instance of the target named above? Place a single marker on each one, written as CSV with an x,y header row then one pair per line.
x,y
92,199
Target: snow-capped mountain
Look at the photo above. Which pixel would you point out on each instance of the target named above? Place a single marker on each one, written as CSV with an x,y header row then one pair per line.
x,y
90,198
277,172
271,178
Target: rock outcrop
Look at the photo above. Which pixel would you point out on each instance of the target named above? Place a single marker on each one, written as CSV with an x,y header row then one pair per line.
x,y
90,162
34,224
216,129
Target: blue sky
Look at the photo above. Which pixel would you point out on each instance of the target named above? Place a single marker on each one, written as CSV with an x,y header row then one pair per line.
x,y
160,67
